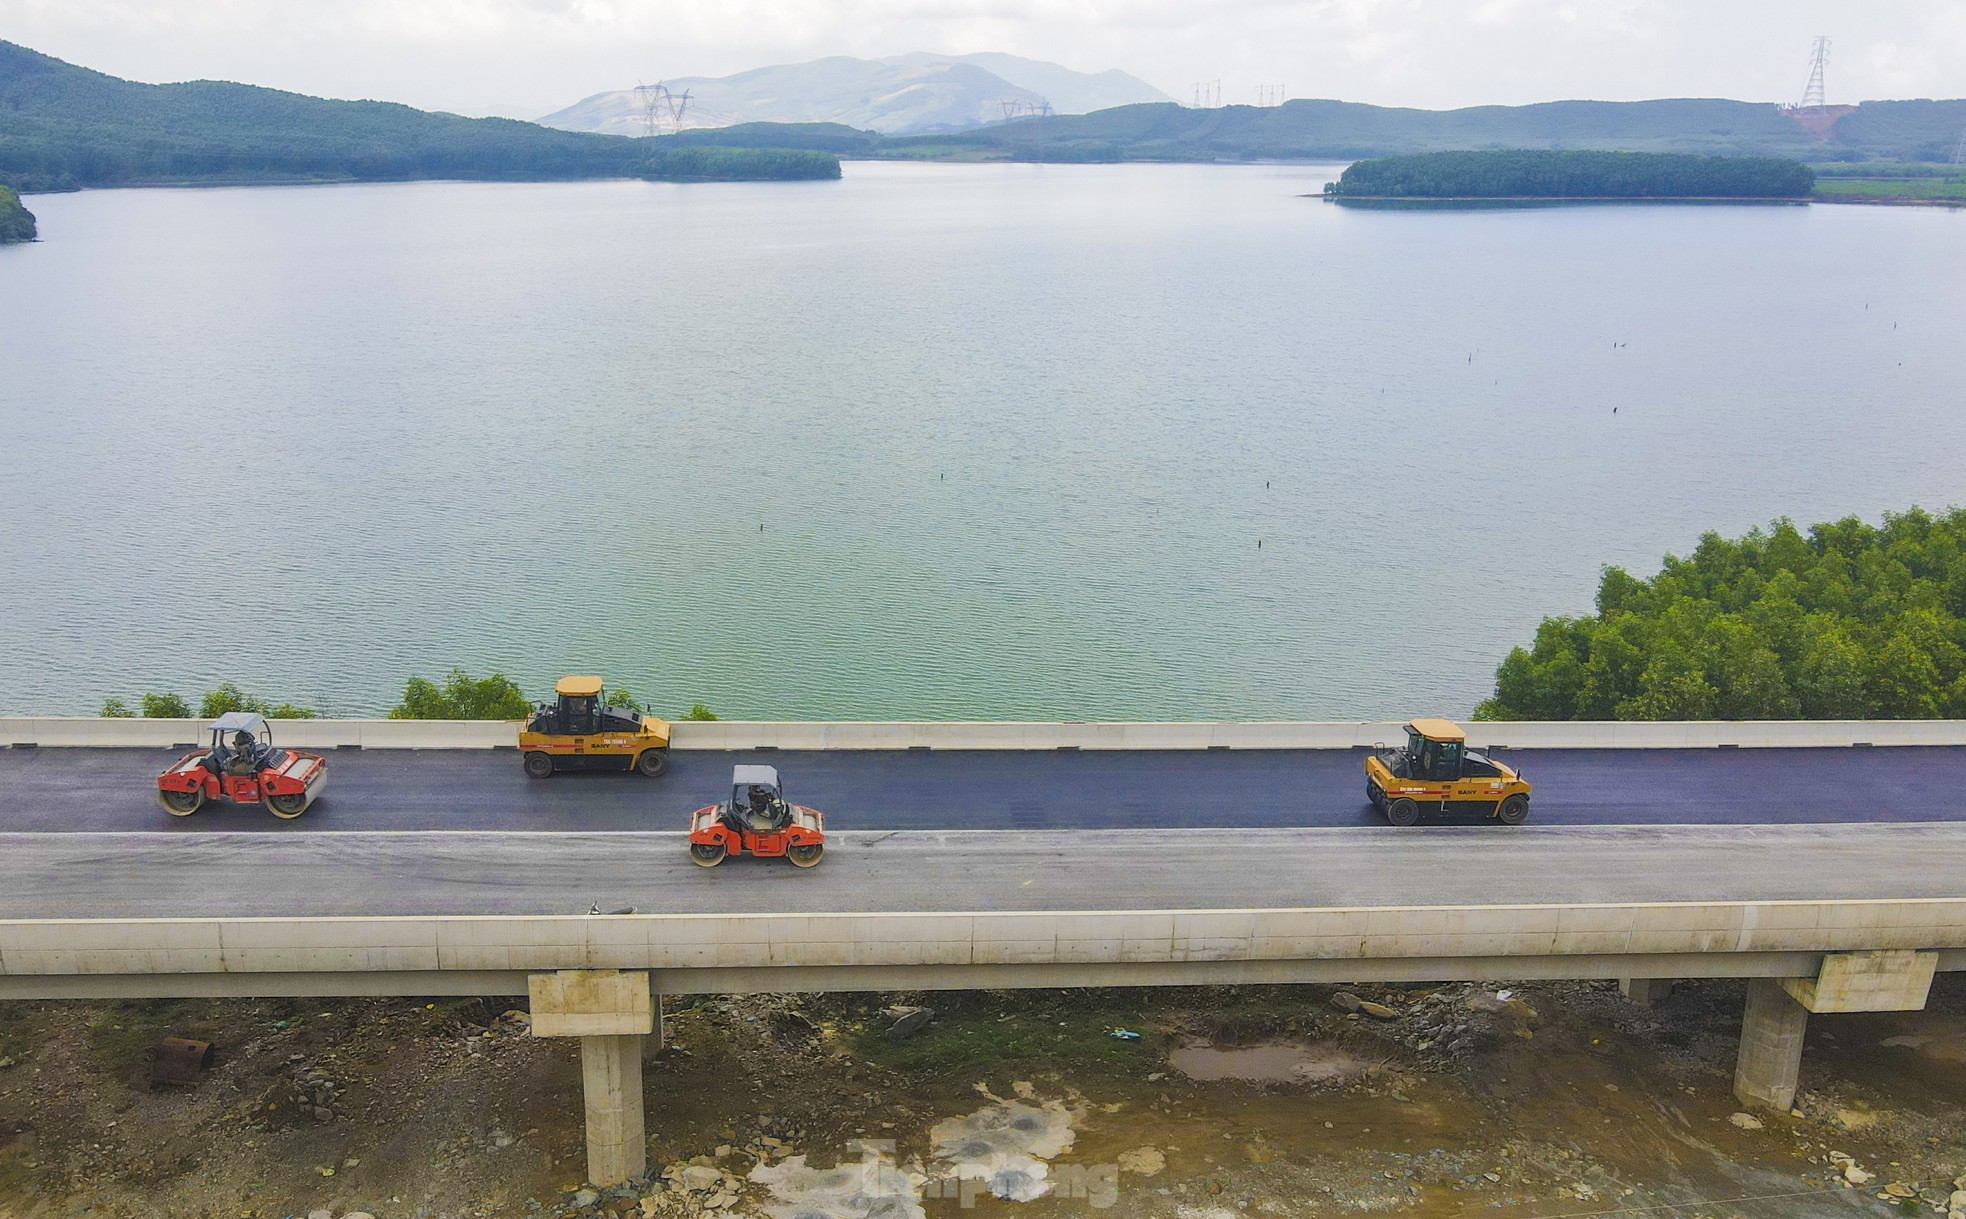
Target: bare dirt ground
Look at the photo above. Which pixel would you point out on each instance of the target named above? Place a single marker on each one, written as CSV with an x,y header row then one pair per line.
x,y
1540,1101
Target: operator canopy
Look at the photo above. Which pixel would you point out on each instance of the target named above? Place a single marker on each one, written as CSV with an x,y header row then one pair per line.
x,y
579,687
251,722
1446,731
747,776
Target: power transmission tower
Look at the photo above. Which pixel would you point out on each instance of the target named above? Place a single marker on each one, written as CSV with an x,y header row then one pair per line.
x,y
1813,96
1208,94
1959,149
649,98
660,107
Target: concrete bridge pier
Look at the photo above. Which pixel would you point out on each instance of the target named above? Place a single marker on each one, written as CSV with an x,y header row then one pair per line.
x,y
1777,1015
1645,991
612,1012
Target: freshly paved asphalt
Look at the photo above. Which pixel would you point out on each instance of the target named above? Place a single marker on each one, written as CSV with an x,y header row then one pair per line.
x,y
96,876
105,790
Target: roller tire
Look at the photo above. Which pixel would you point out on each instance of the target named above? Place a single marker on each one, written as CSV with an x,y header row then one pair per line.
x,y
1514,810
707,854
806,854
181,804
652,762
1402,812
539,765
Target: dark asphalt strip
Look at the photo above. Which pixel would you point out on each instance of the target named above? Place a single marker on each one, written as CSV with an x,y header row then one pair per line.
x,y
105,790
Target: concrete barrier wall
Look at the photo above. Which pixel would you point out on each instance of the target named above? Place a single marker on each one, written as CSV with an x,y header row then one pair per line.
x,y
845,735
84,948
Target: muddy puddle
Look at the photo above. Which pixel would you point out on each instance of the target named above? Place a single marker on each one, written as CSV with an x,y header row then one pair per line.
x,y
1275,1062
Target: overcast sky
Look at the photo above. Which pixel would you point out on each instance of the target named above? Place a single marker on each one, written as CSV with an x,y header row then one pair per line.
x,y
525,57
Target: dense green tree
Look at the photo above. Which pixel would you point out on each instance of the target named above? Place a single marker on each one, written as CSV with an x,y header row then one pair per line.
x,y
165,707
618,696
1848,621
116,709
462,697
228,697
697,711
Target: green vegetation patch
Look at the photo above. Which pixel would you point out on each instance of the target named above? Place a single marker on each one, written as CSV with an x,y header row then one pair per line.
x,y
16,222
462,697
1847,621
1534,174
225,697
980,1035
1893,189
700,163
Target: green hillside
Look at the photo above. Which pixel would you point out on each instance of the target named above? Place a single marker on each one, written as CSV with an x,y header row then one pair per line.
x,y
1344,131
63,127
16,222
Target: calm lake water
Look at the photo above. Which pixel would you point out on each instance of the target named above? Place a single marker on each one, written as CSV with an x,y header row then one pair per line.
x,y
932,441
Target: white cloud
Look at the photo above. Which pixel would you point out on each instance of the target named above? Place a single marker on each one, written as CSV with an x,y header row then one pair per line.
x,y
539,54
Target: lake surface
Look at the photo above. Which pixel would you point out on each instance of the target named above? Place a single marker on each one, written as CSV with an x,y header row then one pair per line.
x,y
934,441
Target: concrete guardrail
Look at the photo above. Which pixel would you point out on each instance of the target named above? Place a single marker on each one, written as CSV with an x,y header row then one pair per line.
x,y
846,735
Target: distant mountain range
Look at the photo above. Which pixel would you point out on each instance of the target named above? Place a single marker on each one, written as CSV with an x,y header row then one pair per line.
x,y
900,95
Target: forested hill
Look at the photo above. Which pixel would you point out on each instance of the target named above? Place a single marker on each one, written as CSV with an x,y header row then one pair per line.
x,y
1345,131
62,126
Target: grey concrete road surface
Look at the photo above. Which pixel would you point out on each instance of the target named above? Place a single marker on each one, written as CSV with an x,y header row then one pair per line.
x,y
96,790
242,875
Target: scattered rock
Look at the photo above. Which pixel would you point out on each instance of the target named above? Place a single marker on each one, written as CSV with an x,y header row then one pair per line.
x,y
1856,1176
1143,1161
5,1062
699,1178
911,1021
586,1198
1346,1001
1898,1189
1378,1011
320,1213
358,1215
1746,1121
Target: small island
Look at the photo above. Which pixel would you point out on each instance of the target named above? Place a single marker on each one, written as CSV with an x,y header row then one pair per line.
x,y
713,163
16,222
1528,175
